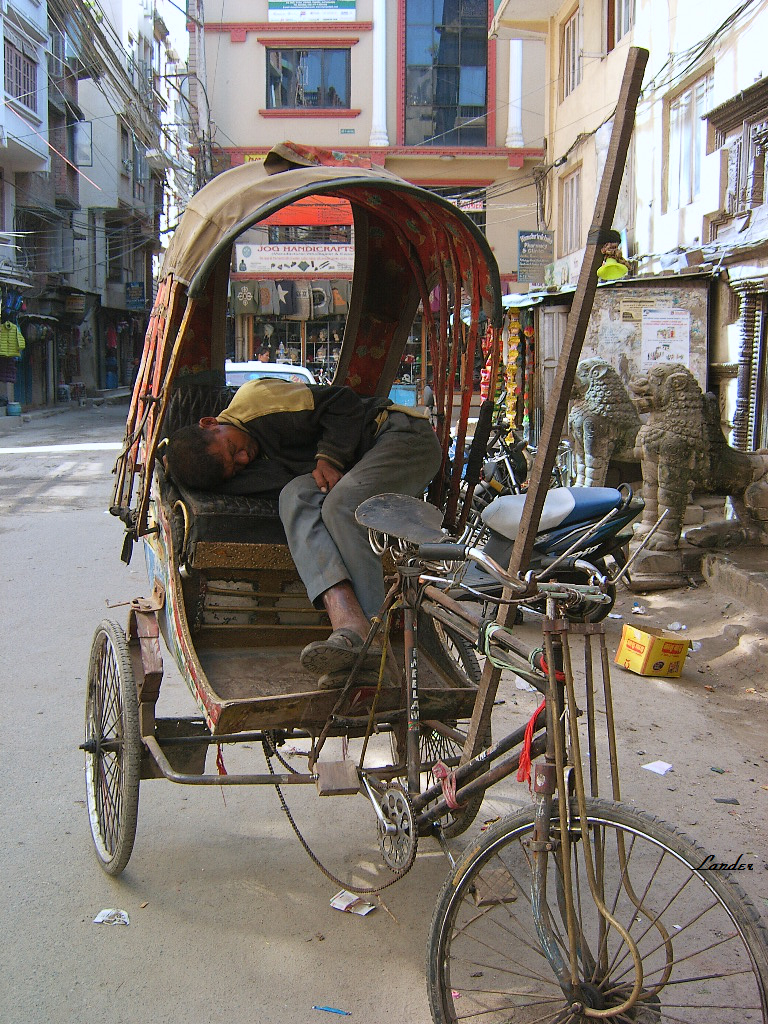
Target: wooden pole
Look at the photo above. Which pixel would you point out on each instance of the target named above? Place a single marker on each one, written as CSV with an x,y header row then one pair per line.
x,y
557,404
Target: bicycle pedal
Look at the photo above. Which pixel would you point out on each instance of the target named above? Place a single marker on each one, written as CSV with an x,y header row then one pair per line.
x,y
493,888
337,778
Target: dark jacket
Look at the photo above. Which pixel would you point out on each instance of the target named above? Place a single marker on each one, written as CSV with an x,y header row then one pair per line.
x,y
295,424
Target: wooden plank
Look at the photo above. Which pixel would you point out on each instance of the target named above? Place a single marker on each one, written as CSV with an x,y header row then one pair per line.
x,y
557,403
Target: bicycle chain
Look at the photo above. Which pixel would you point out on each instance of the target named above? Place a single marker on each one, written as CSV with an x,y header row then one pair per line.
x,y
360,890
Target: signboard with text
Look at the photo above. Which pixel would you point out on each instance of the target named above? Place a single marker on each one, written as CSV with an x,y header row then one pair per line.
x,y
134,295
535,252
311,10
294,259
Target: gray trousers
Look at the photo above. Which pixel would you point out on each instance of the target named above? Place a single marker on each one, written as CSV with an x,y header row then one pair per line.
x,y
326,542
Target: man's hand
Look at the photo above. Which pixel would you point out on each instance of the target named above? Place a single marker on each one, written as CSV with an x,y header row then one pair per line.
x,y
326,475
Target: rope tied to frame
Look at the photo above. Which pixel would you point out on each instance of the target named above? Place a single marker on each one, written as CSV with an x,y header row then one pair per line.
x,y
524,767
447,779
487,629
220,766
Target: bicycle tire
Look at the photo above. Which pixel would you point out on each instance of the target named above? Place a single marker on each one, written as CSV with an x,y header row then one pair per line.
x,y
485,963
113,748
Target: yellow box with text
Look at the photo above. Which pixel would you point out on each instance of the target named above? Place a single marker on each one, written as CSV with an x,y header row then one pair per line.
x,y
651,652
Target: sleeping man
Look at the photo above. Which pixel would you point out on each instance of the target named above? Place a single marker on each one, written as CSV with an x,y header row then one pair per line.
x,y
326,449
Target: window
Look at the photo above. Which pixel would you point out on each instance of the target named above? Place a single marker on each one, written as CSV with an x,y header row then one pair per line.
x,y
620,17
326,234
115,249
57,54
140,173
20,76
469,200
571,57
126,152
298,79
570,213
446,72
745,189
687,143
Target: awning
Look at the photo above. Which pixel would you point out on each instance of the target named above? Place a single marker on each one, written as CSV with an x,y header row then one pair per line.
x,y
313,211
521,299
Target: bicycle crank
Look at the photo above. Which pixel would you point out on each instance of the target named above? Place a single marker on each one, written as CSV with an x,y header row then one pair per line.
x,y
397,834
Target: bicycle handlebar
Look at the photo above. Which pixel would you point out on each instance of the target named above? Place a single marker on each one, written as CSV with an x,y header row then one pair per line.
x,y
520,588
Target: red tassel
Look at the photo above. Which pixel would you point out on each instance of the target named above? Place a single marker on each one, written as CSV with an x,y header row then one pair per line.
x,y
220,760
524,769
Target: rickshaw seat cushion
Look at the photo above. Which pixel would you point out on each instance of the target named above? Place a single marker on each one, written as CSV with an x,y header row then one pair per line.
x,y
235,518
222,518
189,402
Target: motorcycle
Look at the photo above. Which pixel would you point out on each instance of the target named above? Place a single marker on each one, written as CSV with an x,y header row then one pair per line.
x,y
579,530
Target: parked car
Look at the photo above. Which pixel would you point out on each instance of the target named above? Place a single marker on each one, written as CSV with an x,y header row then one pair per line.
x,y
239,373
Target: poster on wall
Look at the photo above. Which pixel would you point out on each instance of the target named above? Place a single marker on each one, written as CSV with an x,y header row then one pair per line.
x,y
666,337
311,10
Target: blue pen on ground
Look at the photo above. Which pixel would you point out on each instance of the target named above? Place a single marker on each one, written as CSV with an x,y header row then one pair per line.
x,y
332,1009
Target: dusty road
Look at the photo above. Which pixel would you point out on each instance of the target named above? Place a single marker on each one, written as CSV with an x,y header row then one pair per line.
x,y
229,919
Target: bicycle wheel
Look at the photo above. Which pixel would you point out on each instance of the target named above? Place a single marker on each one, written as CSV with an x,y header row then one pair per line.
x,y
703,949
449,651
112,748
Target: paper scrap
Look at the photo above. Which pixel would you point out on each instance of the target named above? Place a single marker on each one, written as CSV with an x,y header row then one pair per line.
x,y
351,904
523,684
659,767
111,917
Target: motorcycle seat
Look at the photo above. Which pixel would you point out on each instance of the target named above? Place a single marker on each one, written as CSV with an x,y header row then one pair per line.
x,y
563,506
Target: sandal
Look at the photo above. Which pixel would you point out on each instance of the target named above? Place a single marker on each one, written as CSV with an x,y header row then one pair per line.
x,y
338,680
337,654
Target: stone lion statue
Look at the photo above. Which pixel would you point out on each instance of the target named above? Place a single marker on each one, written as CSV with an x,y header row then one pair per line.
x,y
603,422
682,448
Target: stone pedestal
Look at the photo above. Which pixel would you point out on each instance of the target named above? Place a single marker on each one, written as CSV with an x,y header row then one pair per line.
x,y
658,570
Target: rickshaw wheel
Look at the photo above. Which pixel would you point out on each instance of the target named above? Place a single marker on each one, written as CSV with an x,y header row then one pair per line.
x,y
112,748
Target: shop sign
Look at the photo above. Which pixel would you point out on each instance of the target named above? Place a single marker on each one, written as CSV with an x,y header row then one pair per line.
x,y
294,259
134,295
311,10
535,252
74,304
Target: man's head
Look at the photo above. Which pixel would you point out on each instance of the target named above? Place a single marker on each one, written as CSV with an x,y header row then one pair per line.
x,y
263,355
208,453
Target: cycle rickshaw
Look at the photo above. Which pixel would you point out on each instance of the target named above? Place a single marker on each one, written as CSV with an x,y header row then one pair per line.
x,y
226,598
579,909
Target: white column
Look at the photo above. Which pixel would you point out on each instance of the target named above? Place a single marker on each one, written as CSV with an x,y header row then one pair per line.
x,y
379,135
515,110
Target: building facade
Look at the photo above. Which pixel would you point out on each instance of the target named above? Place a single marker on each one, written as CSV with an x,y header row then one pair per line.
x,y
32,220
95,170
692,207
416,88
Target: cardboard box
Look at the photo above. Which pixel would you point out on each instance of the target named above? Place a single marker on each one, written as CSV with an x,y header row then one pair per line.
x,y
651,652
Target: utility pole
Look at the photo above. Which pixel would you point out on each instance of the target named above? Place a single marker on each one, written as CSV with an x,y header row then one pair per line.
x,y
205,172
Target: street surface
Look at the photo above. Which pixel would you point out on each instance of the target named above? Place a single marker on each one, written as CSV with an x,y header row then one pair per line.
x,y
229,919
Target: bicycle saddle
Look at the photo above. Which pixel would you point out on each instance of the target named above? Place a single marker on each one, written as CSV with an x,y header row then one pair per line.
x,y
399,515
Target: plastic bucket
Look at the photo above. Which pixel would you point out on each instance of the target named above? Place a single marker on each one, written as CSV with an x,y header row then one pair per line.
x,y
13,409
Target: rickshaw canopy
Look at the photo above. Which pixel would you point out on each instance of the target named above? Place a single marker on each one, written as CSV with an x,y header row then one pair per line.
x,y
412,248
